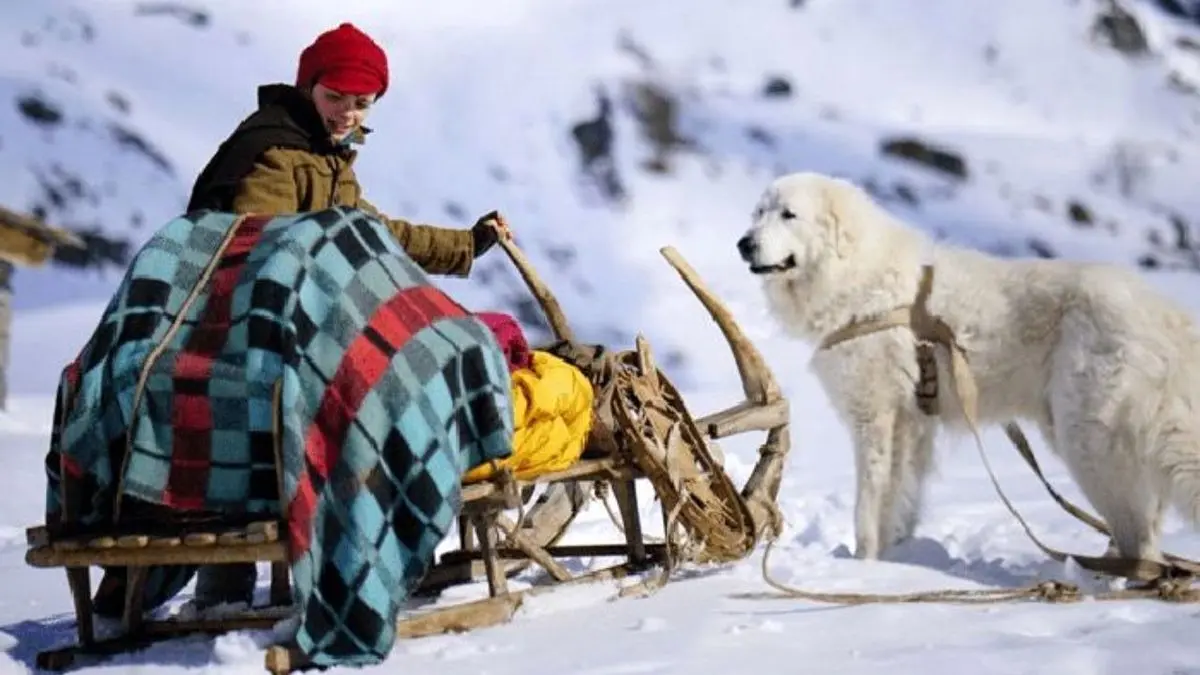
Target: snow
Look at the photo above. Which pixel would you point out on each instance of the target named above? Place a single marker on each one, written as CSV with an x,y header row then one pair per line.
x,y
482,90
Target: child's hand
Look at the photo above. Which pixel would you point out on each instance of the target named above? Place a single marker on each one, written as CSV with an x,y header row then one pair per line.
x,y
488,230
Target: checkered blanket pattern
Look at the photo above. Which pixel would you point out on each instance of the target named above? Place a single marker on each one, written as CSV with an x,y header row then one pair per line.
x,y
390,392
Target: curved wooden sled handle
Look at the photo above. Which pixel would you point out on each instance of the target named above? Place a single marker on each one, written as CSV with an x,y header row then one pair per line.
x,y
539,289
765,407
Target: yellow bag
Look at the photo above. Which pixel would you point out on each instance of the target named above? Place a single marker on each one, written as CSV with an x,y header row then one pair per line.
x,y
552,416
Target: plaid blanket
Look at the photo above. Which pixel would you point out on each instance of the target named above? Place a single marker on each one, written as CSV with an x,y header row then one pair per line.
x,y
388,392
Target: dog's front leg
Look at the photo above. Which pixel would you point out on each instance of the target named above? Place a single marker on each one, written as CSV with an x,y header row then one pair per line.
x,y
873,466
912,457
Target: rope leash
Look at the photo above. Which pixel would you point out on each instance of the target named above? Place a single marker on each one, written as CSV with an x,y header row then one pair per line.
x,y
1053,591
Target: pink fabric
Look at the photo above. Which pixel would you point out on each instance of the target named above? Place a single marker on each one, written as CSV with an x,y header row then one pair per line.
x,y
511,338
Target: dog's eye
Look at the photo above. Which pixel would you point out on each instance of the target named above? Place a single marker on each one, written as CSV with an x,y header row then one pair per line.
x,y
787,214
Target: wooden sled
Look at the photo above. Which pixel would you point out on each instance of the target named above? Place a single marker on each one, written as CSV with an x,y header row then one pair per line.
x,y
209,542
641,431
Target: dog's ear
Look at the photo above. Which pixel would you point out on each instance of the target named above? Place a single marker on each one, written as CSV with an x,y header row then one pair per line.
x,y
838,200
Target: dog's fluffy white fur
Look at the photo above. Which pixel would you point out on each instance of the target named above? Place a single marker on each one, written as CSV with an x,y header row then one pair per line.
x,y
1104,366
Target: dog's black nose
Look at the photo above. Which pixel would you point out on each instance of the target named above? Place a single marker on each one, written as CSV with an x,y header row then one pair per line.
x,y
747,246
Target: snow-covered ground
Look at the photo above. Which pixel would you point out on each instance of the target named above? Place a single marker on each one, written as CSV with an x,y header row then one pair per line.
x,y
698,623
479,116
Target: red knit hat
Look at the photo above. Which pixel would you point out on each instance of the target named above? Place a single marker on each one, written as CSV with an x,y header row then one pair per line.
x,y
346,60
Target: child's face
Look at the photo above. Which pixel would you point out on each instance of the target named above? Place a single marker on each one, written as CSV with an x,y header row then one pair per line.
x,y
341,113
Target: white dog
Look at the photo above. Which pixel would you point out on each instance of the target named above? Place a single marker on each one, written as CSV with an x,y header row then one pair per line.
x,y
1106,368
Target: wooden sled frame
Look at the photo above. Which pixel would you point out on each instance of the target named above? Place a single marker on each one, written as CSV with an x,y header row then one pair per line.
x,y
481,518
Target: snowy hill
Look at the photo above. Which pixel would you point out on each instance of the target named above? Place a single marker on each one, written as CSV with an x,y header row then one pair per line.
x,y
1052,136
1038,127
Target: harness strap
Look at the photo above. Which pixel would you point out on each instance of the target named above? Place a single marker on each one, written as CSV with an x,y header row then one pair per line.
x,y
928,328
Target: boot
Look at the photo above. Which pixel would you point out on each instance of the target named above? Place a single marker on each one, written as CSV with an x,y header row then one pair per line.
x,y
230,583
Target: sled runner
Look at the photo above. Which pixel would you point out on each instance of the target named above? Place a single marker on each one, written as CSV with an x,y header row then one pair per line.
x,y
640,432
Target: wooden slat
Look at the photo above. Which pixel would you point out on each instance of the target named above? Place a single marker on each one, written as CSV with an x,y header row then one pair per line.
x,y
200,539
165,542
269,528
655,551
745,416
492,611
536,553
133,541
585,469
48,556
62,658
38,230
